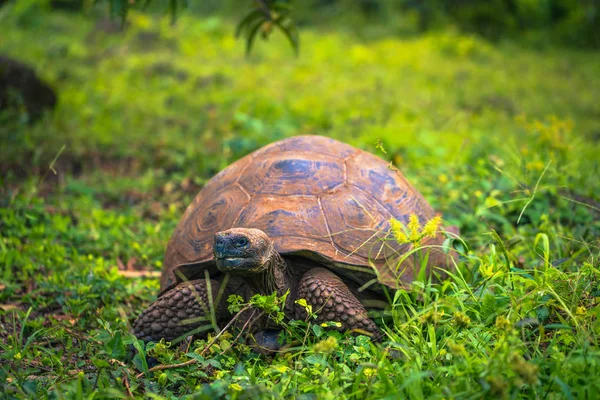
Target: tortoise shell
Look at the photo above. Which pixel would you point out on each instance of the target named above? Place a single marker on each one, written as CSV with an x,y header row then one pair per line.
x,y
315,197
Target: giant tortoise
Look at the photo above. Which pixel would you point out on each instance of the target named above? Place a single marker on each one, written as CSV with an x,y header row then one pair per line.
x,y
307,214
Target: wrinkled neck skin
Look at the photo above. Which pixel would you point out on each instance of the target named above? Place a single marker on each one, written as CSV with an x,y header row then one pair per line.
x,y
274,278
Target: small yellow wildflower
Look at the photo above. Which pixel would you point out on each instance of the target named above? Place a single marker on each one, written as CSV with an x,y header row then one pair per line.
x,y
431,227
498,386
580,310
461,320
414,228
443,178
140,21
535,165
527,371
280,368
454,194
487,271
326,346
503,324
432,317
457,349
413,232
369,372
398,231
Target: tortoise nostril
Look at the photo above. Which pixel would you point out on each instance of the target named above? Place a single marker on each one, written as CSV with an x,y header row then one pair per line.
x,y
219,246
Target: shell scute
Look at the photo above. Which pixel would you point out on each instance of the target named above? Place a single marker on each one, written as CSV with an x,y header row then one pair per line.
x,y
387,184
280,216
293,173
357,223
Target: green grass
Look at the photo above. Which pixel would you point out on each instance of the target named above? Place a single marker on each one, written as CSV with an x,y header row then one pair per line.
x,y
503,140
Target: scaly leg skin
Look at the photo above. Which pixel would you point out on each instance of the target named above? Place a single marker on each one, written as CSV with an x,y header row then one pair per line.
x,y
165,318
331,299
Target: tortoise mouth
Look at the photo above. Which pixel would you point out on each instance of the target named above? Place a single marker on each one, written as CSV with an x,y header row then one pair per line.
x,y
230,263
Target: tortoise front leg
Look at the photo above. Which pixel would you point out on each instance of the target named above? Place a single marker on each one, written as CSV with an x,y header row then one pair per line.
x,y
179,311
331,300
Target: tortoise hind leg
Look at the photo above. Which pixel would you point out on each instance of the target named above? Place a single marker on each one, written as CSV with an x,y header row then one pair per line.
x,y
331,300
179,311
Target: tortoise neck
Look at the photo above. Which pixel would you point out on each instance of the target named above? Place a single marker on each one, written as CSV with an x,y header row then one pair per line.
x,y
274,278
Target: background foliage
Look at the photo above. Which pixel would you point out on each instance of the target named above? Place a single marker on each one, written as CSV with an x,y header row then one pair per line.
x,y
500,136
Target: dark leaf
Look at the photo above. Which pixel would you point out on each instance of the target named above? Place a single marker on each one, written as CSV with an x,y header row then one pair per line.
x,y
289,30
173,10
247,21
252,35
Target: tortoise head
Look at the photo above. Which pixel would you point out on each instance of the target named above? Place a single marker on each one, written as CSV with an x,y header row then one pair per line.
x,y
242,250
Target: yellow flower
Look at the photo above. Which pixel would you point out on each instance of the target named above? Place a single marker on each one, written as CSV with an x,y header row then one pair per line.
x,y
498,386
580,310
413,232
432,317
503,324
414,227
535,165
280,368
398,231
461,320
457,349
369,372
326,346
527,371
486,270
431,227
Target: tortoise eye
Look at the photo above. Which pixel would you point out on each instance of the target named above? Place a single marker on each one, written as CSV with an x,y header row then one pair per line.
x,y
242,242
